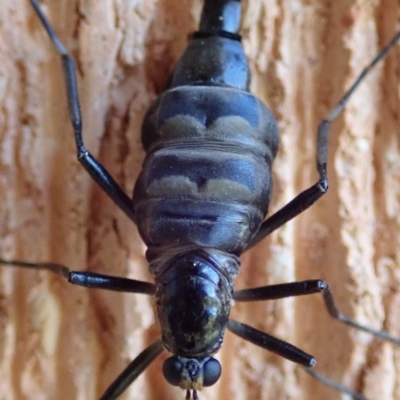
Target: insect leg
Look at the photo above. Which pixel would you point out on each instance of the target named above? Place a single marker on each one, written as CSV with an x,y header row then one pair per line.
x,y
92,166
270,343
287,351
335,385
309,196
88,279
280,291
334,312
292,289
133,370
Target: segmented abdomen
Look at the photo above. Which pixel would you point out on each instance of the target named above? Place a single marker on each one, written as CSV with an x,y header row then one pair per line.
x,y
206,179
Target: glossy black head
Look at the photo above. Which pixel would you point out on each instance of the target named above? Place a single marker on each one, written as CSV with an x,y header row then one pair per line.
x,y
193,298
191,373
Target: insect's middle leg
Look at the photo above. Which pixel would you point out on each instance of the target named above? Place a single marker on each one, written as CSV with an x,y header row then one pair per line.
x,y
86,278
92,166
294,289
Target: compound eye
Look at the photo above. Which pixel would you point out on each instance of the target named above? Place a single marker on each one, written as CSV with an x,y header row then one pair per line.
x,y
211,372
172,369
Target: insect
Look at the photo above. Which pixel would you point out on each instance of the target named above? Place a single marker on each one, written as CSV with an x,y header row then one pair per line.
x,y
149,289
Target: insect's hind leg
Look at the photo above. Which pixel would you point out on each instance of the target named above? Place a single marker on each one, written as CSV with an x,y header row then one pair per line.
x,y
309,196
92,166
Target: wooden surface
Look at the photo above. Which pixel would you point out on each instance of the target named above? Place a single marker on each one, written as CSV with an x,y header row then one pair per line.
x,y
62,342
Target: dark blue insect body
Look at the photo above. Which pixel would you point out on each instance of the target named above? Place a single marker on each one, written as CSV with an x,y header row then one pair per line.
x,y
205,185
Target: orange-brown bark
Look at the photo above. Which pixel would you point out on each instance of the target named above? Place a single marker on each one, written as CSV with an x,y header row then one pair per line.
x,y
63,342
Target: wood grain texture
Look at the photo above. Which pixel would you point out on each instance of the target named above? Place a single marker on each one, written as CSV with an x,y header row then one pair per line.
x,y
62,342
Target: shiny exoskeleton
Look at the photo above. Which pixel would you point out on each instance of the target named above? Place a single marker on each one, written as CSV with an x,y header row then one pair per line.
x,y
205,185
200,201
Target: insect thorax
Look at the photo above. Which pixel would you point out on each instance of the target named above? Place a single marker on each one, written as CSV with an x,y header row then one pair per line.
x,y
194,292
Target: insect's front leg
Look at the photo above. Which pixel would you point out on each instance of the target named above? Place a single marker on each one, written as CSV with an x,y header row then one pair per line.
x,y
92,166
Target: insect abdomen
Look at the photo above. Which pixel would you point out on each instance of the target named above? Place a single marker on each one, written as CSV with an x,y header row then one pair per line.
x,y
206,180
